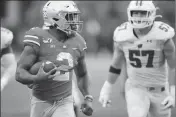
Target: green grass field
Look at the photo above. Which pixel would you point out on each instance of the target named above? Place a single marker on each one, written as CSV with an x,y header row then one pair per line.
x,y
15,99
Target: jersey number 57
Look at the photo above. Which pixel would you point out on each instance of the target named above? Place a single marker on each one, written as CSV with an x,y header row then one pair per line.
x,y
136,62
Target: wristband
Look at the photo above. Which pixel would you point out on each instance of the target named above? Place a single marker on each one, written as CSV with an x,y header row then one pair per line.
x,y
89,98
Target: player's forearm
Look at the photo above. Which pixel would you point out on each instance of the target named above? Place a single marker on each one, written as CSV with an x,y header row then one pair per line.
x,y
112,78
24,77
108,85
84,84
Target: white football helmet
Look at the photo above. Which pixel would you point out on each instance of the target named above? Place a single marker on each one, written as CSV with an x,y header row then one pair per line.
x,y
64,15
139,5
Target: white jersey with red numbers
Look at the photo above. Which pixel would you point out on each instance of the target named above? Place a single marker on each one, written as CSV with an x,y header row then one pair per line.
x,y
146,63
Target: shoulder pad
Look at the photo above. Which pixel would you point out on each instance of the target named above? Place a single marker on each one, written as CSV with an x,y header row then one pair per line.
x,y
81,42
162,31
123,33
6,37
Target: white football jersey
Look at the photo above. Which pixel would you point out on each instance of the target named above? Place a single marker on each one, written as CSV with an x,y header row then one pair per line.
x,y
146,63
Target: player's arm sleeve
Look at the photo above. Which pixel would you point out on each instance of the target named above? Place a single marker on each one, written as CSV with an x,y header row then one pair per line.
x,y
27,59
31,38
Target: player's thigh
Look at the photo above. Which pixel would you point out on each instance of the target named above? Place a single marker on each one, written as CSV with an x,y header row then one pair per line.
x,y
156,108
65,109
38,107
137,101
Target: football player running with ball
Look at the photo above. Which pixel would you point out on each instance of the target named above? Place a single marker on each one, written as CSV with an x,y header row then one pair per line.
x,y
8,61
58,42
147,47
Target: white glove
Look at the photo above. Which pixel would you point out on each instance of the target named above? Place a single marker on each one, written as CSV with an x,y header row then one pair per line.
x,y
105,94
169,101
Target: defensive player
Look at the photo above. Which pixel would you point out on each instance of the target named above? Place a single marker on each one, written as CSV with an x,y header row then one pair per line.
x,y
8,62
148,48
59,43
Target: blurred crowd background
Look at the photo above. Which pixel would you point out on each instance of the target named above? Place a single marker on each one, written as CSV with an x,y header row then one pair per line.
x,y
100,19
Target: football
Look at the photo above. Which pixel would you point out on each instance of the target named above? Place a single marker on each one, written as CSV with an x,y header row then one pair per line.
x,y
48,66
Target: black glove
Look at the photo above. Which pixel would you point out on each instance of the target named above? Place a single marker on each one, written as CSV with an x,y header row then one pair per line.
x,y
86,106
